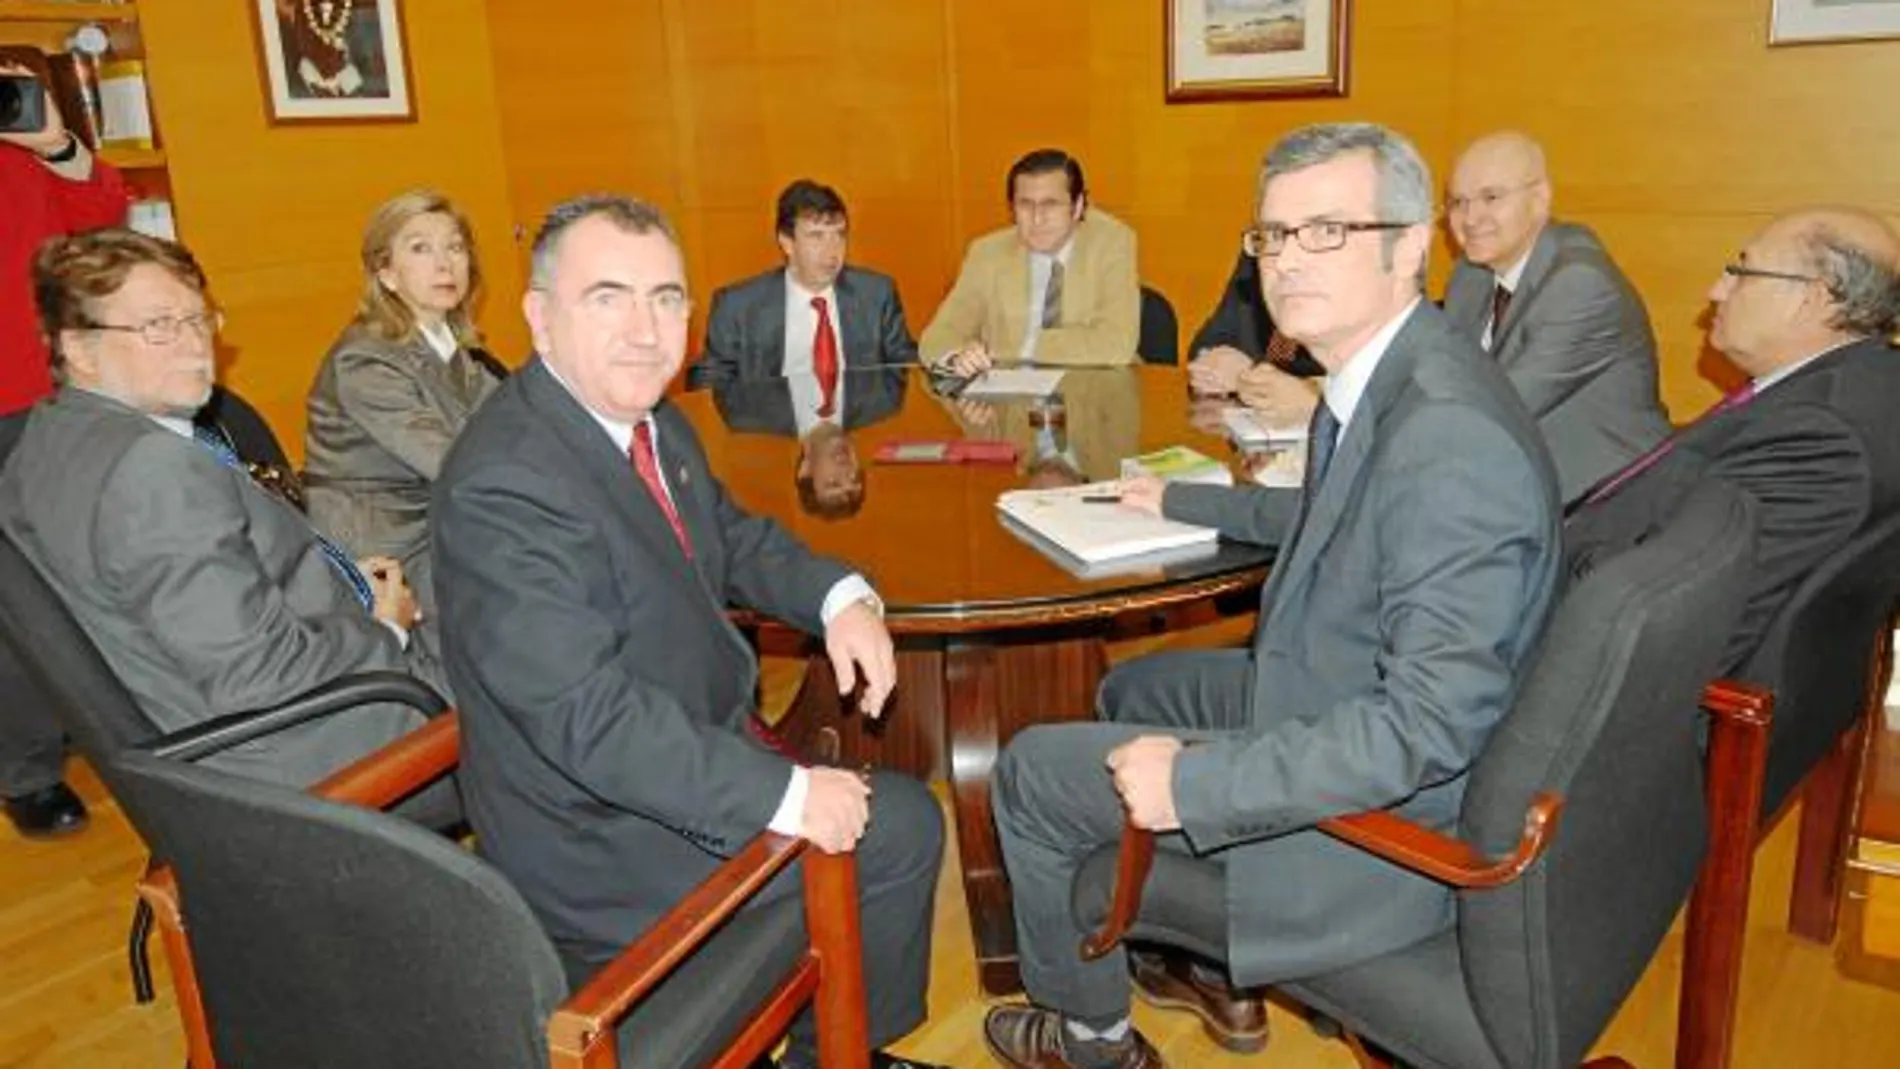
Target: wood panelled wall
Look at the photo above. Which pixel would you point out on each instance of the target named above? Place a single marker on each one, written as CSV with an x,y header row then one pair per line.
x,y
1671,128
275,213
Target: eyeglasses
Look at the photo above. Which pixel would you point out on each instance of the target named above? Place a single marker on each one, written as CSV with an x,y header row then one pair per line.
x,y
1037,209
1488,198
616,302
1322,235
161,331
1740,271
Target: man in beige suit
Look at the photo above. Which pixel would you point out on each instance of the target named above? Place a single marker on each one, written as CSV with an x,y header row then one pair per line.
x,y
1057,288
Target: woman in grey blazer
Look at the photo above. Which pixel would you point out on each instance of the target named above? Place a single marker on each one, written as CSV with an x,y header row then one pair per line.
x,y
397,386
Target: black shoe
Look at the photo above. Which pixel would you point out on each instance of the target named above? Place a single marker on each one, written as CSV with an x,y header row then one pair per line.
x,y
48,813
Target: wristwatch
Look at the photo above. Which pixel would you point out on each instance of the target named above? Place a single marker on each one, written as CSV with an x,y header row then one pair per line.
x,y
66,154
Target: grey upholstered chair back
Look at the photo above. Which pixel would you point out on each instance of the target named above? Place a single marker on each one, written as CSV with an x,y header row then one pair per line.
x,y
1159,339
1817,654
327,935
90,702
1607,719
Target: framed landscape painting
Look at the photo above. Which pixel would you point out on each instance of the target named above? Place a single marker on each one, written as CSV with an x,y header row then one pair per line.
x,y
1242,49
333,61
1799,22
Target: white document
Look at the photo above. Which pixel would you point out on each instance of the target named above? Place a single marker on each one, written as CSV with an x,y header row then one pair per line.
x,y
1095,532
1250,428
1014,382
124,111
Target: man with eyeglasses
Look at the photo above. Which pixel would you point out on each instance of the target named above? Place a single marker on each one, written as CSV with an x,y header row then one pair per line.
x,y
1059,287
206,594
1547,302
1415,571
1806,311
586,559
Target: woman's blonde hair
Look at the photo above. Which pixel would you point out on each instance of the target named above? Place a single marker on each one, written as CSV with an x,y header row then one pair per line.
x,y
380,309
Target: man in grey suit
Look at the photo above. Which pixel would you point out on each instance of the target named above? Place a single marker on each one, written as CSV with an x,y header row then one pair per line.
x,y
1415,572
815,309
205,593
587,556
1573,336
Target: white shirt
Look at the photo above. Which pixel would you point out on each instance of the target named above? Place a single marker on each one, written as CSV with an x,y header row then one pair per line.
x,y
807,397
183,429
801,326
1762,382
1346,386
1509,280
846,592
1039,289
440,338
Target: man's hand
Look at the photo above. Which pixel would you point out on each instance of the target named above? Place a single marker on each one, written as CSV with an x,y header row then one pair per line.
x,y
973,359
837,807
392,600
1143,494
1144,777
1217,371
1285,400
976,415
860,648
44,141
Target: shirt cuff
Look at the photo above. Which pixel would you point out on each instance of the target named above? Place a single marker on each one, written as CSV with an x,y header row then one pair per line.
x,y
402,634
852,588
791,808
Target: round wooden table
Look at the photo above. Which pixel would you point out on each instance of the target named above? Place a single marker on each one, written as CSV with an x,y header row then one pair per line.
x,y
992,633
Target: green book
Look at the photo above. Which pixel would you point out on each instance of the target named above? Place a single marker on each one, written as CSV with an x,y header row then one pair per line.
x,y
1178,463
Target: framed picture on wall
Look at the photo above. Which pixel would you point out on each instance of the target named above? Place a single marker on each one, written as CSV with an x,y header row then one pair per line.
x,y
1800,22
333,61
1244,49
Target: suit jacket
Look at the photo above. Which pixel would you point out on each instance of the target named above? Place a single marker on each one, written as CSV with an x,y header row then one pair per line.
x,y
1101,299
1241,320
382,415
1816,451
1409,591
765,405
1577,345
745,332
206,594
603,691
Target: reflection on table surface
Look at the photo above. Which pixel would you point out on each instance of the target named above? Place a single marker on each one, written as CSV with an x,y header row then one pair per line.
x,y
927,535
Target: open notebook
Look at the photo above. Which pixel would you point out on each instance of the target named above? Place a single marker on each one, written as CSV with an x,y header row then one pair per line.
x,y
1093,532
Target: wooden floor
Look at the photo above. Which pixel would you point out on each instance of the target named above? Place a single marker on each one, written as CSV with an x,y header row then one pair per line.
x,y
65,1000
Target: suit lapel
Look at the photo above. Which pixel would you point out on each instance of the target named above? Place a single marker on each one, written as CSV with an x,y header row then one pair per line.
x,y
767,327
1466,302
854,327
1536,270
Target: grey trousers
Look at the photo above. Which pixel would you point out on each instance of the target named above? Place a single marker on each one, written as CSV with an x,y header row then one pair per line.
x,y
32,746
1055,804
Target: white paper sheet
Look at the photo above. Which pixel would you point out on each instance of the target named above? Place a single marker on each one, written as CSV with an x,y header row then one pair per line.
x,y
1014,382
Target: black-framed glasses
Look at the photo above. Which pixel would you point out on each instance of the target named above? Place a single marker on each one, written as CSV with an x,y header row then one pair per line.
x,y
1268,240
166,330
1740,271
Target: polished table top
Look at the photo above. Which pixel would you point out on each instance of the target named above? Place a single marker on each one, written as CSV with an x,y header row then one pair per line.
x,y
928,536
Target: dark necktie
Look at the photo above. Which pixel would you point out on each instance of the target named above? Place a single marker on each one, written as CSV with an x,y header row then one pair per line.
x,y
1733,399
1281,350
340,561
1500,307
824,360
647,463
1322,439
1052,296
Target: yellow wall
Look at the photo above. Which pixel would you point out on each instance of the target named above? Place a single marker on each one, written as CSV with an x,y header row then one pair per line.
x,y
275,212
1671,127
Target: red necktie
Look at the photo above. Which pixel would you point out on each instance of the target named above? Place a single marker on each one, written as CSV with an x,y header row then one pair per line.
x,y
1661,449
648,465
824,359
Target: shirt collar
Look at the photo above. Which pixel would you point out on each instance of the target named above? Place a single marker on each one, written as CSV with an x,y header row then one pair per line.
x,y
1346,386
441,340
796,291
1762,382
1511,276
180,427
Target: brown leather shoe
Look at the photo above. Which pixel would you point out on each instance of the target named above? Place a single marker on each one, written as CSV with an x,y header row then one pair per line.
x,y
1025,1037
1167,979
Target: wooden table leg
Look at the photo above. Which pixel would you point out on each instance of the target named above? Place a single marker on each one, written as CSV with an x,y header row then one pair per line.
x,y
909,737
994,687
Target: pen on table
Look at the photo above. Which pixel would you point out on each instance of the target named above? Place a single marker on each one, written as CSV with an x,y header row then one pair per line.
x,y
1101,499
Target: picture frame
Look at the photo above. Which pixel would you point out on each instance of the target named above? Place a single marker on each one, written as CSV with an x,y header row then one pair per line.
x,y
1257,49
333,61
1806,22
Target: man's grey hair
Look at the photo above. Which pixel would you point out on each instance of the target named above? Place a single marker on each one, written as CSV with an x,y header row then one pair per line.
x,y
1866,291
1404,181
628,214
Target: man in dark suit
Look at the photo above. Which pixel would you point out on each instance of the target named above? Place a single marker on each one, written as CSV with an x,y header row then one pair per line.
x,y
587,557
1805,311
1573,336
815,315
1415,574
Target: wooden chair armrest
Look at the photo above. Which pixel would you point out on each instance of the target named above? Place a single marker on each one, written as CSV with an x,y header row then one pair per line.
x,y
1733,701
594,1010
384,777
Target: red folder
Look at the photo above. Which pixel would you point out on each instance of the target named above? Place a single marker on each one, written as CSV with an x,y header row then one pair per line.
x,y
957,451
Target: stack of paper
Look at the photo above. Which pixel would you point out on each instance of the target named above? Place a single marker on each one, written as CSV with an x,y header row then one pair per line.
x,y
1094,531
1014,382
1248,427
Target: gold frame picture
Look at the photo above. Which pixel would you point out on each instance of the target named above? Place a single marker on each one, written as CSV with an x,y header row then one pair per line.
x,y
1252,49
333,61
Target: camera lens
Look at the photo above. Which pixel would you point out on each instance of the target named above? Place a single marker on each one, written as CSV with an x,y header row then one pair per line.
x,y
11,97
